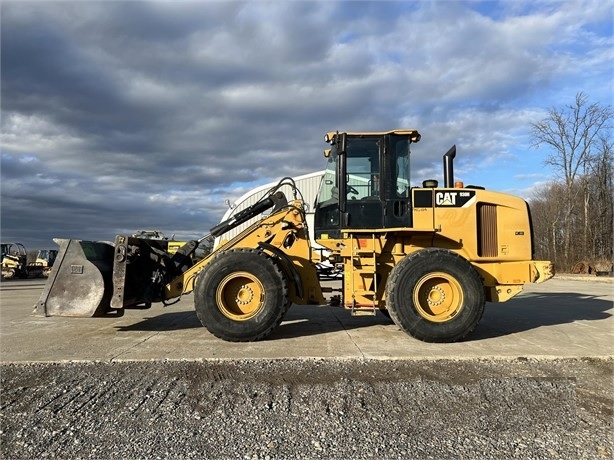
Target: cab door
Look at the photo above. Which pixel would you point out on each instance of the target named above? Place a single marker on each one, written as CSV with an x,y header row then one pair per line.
x,y
396,193
364,205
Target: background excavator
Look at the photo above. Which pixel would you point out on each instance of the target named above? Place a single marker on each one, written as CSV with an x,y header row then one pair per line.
x,y
429,256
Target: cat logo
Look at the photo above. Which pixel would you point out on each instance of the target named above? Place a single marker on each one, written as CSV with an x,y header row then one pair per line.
x,y
445,198
455,199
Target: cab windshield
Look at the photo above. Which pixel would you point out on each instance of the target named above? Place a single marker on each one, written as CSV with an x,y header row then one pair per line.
x,y
327,205
328,186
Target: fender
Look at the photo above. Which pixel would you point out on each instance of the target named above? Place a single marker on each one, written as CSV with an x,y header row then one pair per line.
x,y
286,265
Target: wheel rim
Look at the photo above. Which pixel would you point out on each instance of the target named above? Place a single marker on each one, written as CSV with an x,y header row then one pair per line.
x,y
438,297
240,296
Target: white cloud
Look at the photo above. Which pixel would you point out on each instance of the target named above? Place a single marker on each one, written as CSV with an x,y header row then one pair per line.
x,y
149,114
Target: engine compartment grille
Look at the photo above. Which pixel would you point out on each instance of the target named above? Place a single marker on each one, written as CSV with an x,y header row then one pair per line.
x,y
487,230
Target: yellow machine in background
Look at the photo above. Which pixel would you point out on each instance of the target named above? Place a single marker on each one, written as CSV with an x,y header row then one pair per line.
x,y
15,262
172,246
428,256
46,258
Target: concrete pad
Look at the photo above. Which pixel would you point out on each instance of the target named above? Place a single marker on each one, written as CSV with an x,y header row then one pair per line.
x,y
564,317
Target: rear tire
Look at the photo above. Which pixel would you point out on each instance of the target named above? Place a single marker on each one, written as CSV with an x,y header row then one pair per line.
x,y
435,296
241,295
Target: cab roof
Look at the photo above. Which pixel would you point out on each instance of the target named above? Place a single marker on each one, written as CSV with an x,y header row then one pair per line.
x,y
413,133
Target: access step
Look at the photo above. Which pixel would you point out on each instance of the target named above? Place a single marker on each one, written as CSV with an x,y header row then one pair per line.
x,y
364,311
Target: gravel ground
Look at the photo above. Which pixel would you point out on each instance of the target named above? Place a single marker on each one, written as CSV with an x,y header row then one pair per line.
x,y
461,409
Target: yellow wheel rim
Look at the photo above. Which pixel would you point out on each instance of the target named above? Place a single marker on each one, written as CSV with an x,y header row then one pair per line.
x,y
438,297
240,296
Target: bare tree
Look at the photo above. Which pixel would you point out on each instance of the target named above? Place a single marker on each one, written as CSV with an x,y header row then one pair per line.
x,y
578,137
602,216
547,221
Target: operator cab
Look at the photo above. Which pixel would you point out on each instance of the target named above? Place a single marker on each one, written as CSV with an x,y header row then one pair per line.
x,y
366,183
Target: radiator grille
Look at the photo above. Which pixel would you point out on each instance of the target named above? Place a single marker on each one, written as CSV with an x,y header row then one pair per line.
x,y
487,229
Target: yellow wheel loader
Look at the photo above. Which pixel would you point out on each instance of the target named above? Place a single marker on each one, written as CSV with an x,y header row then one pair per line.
x,y
45,258
15,262
429,256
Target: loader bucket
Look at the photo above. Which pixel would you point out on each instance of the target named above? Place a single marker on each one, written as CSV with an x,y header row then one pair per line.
x,y
95,278
80,283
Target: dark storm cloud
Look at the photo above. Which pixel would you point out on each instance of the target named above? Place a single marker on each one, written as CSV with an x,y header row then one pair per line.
x,y
124,115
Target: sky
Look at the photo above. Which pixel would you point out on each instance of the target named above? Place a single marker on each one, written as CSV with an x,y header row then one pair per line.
x,y
119,116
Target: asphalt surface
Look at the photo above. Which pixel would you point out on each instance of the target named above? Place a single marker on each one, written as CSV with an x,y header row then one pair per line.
x,y
559,318
534,381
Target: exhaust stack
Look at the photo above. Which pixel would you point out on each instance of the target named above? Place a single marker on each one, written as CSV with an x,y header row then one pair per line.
x,y
448,167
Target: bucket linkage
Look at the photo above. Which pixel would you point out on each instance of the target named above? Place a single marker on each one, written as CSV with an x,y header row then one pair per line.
x,y
99,278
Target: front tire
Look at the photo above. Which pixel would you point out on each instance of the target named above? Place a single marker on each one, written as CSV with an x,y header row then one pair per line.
x,y
435,296
241,295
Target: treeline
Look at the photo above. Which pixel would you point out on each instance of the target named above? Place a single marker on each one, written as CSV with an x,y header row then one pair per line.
x,y
573,215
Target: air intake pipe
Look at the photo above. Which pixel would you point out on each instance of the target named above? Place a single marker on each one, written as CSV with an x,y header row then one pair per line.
x,y
448,167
